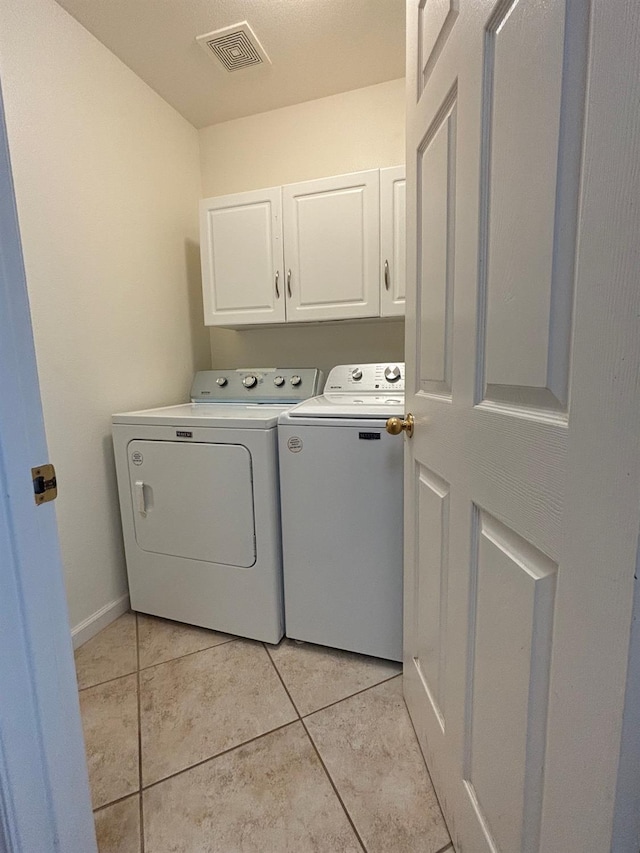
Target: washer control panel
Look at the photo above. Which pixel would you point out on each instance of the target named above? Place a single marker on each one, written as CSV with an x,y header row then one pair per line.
x,y
349,378
256,385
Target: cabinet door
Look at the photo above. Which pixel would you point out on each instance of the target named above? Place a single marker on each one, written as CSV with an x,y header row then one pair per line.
x,y
392,241
242,266
331,238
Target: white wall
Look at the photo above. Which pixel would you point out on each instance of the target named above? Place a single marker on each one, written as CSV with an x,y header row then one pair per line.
x,y
107,182
363,129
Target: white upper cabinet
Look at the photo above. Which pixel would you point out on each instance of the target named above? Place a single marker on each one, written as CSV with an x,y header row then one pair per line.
x,y
242,262
331,238
328,249
392,241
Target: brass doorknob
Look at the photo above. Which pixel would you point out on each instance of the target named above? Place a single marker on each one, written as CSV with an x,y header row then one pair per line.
x,y
397,425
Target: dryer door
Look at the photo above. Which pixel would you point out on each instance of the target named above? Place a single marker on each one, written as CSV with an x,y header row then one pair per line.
x,y
193,500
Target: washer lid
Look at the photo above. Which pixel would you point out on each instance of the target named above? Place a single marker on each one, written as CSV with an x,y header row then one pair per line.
x,y
350,406
227,415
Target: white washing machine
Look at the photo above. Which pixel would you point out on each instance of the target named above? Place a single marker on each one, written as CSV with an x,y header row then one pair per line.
x,y
341,486
199,498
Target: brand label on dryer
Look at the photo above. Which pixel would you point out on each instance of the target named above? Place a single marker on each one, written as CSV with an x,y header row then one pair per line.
x,y
184,433
137,458
294,444
369,436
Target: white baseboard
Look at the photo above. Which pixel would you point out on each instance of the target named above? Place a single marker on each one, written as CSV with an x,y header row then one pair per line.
x,y
89,627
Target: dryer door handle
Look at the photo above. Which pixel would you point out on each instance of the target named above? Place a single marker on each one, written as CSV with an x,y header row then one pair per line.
x,y
140,500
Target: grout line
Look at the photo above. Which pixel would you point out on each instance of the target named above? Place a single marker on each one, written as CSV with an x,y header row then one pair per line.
x,y
151,665
139,738
218,645
331,704
189,654
116,801
350,696
300,718
217,755
106,681
257,737
315,748
286,689
334,786
348,816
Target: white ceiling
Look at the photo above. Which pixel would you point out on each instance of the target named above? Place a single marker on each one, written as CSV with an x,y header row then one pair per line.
x,y
317,48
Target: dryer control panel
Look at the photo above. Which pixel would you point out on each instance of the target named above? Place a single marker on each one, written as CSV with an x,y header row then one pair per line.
x,y
256,385
363,378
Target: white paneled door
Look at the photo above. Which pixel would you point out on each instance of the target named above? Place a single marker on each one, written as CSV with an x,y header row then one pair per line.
x,y
523,472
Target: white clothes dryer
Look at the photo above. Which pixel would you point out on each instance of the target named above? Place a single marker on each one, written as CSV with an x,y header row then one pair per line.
x,y
199,499
341,483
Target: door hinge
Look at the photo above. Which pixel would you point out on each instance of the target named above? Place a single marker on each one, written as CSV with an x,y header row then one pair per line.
x,y
45,485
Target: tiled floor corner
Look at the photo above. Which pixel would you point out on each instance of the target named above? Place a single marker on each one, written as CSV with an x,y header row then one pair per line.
x,y
197,741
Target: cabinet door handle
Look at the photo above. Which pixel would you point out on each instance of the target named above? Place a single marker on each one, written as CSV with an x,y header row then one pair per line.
x,y
277,288
289,283
386,275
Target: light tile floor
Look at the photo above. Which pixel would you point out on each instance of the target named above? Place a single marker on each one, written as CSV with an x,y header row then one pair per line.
x,y
198,742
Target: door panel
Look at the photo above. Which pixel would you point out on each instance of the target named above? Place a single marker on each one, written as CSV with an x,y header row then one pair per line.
x,y
435,20
511,617
527,274
511,317
436,217
242,265
331,229
430,594
193,500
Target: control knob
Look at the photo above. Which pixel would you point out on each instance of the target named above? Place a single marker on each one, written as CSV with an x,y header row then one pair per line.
x,y
295,381
221,381
278,381
249,381
392,374
356,374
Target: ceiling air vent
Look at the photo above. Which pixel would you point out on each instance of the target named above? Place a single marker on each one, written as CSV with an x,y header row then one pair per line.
x,y
235,47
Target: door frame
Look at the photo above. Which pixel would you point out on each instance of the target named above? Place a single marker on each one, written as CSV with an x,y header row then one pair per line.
x,y
45,803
